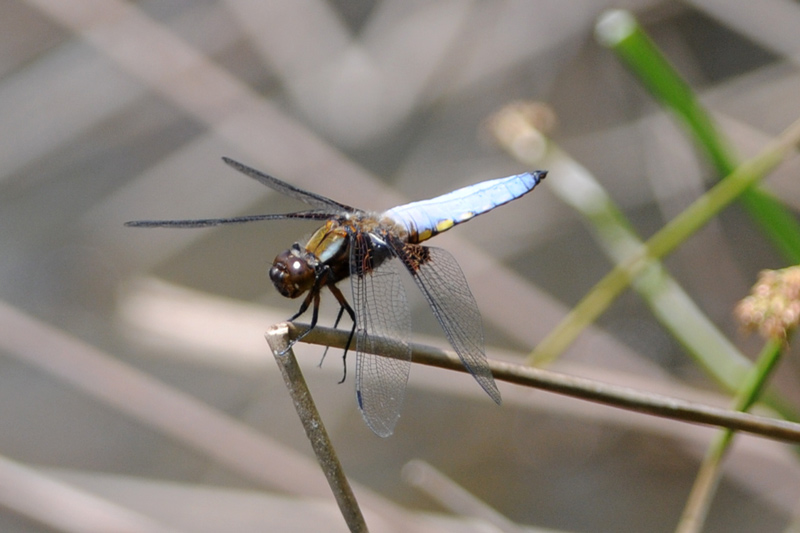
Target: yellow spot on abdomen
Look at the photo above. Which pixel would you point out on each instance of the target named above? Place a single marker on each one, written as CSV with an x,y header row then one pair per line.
x,y
445,225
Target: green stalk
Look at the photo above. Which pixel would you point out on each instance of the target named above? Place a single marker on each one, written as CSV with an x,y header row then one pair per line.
x,y
705,485
619,31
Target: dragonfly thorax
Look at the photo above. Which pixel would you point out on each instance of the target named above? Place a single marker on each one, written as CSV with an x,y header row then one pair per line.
x,y
322,261
293,272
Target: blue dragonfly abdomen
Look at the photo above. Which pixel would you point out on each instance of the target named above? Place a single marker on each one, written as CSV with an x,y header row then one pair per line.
x,y
424,219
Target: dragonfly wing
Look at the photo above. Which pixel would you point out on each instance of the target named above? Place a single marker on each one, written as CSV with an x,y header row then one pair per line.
x,y
382,318
311,198
207,222
441,280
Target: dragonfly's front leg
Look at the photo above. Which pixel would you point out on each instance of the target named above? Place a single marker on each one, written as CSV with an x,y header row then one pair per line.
x,y
313,296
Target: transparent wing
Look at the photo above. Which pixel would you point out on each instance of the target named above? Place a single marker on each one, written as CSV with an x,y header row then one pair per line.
x,y
325,207
382,317
206,222
441,280
311,198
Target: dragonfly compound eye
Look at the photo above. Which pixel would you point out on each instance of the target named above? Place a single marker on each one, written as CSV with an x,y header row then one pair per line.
x,y
291,274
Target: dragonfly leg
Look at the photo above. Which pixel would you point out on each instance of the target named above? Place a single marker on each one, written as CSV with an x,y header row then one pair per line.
x,y
335,325
344,306
304,306
320,280
314,315
313,295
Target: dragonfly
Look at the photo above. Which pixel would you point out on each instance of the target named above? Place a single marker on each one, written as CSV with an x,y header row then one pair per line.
x,y
367,248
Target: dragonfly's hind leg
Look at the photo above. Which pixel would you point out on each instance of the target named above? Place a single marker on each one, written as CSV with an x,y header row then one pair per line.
x,y
335,325
343,306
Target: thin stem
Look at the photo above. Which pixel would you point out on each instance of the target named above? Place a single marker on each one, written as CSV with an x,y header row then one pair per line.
x,y
586,389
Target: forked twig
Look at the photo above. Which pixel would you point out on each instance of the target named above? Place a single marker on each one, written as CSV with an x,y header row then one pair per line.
x,y
278,337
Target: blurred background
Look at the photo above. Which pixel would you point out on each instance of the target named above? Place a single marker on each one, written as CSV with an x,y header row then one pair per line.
x,y
135,382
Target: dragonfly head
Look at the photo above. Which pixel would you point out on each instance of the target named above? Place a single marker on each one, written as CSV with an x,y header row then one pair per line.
x,y
291,272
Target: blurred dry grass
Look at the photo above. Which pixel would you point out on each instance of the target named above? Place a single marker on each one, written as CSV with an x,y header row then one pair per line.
x,y
114,111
